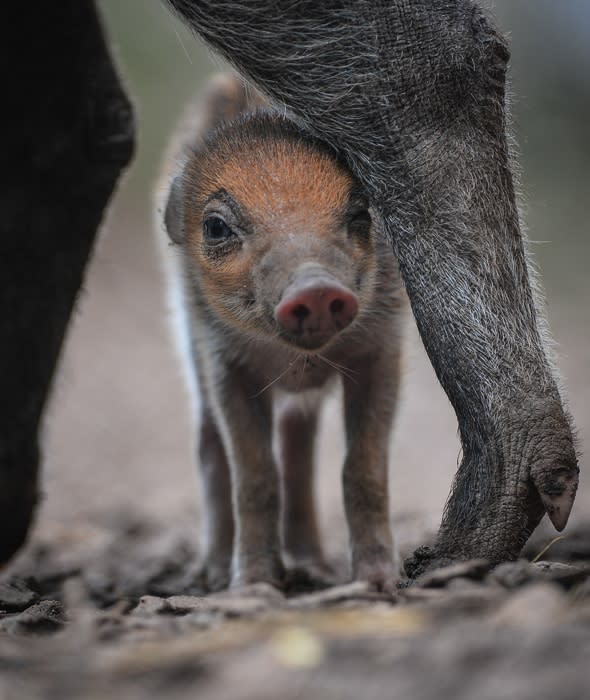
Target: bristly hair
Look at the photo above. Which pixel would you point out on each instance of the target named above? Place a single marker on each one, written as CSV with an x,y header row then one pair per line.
x,y
262,125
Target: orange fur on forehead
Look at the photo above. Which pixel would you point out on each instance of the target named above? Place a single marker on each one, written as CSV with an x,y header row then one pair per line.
x,y
276,178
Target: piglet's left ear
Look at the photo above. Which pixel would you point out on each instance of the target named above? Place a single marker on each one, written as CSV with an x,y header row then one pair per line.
x,y
174,214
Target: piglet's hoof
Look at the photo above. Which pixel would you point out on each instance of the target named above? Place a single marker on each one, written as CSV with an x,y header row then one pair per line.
x,y
213,576
382,576
266,594
306,577
268,570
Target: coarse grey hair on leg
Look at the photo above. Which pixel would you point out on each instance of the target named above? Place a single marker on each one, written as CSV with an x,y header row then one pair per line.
x,y
412,93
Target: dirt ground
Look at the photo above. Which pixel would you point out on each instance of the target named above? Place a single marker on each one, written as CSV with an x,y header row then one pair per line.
x,y
102,600
110,611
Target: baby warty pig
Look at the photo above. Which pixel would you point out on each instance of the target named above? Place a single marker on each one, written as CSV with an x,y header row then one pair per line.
x,y
286,287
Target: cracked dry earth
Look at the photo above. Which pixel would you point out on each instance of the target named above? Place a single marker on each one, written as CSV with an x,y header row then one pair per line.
x,y
113,611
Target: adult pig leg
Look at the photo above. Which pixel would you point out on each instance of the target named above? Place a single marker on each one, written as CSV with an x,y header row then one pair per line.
x,y
67,133
412,94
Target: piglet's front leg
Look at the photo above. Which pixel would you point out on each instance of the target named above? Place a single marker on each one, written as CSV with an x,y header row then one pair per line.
x,y
218,523
370,394
246,423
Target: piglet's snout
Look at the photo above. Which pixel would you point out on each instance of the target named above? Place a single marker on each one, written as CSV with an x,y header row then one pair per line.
x,y
316,311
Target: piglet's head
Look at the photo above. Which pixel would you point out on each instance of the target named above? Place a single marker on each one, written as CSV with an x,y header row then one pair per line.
x,y
276,231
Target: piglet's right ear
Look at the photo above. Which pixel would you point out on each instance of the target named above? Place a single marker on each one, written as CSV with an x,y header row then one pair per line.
x,y
174,214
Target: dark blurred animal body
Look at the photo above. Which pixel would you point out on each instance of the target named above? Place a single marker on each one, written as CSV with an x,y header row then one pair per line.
x,y
285,287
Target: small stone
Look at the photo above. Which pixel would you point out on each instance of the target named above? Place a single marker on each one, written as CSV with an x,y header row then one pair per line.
x,y
237,602
357,591
232,606
183,604
519,573
151,605
512,574
474,569
16,594
42,618
566,575
537,604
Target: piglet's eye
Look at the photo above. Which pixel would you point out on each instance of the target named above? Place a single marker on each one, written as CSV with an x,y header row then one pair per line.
x,y
360,224
216,231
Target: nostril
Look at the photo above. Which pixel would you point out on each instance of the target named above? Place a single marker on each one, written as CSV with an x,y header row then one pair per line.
x,y
300,312
337,306
316,311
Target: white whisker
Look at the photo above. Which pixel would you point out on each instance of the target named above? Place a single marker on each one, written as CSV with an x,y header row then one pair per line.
x,y
274,381
302,372
344,371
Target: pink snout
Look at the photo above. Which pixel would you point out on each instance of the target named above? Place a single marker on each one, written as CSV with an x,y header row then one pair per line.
x,y
317,312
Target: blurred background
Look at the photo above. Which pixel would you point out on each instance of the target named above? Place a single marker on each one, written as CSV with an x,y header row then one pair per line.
x,y
118,434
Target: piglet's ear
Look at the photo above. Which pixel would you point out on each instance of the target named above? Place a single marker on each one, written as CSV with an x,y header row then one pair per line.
x,y
174,214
